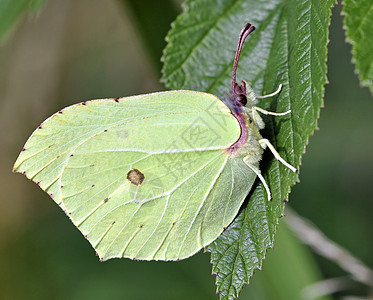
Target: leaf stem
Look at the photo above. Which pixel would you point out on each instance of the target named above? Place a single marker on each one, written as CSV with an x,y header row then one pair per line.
x,y
309,234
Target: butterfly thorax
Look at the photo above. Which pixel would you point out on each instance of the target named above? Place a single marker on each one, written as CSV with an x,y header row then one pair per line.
x,y
248,142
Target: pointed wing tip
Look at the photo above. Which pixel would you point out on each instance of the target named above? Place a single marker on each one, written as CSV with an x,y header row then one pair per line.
x,y
16,169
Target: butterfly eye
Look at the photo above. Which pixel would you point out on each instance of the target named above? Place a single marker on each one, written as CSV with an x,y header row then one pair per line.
x,y
242,99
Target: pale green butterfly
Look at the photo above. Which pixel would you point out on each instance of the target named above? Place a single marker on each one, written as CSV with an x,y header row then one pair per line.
x,y
151,177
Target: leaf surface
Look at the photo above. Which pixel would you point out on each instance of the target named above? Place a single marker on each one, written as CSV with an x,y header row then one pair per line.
x,y
289,48
358,22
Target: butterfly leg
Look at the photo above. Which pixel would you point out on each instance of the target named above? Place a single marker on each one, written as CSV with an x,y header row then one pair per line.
x,y
258,119
254,110
260,176
266,112
272,94
266,143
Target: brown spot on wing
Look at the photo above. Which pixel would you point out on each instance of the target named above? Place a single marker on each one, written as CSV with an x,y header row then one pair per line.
x,y
135,177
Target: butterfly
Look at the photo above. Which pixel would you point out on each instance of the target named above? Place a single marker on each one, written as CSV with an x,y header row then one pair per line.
x,y
156,176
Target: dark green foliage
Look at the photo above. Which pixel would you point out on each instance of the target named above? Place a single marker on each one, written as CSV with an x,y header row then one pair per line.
x,y
358,23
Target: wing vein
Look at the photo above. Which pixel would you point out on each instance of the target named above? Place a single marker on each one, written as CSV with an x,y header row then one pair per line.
x,y
201,205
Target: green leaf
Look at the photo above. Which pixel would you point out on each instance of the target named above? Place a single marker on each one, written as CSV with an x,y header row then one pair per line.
x,y
289,48
11,11
358,22
288,273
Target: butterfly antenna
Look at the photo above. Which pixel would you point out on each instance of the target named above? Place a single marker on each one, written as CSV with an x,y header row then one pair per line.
x,y
243,35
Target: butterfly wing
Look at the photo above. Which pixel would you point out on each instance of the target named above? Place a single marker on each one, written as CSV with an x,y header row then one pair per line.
x,y
144,177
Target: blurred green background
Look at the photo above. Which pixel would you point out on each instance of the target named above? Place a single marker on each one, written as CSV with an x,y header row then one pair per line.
x,y
89,49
